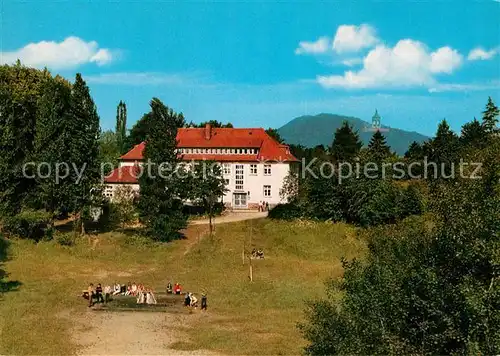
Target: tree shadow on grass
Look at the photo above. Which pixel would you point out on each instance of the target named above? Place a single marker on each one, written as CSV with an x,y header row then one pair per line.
x,y
5,285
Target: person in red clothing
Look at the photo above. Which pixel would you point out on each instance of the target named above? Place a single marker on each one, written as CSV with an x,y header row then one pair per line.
x,y
177,288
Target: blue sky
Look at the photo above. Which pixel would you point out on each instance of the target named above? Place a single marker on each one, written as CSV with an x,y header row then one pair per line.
x,y
264,63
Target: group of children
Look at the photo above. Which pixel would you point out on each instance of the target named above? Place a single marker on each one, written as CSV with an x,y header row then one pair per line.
x,y
100,295
190,299
263,206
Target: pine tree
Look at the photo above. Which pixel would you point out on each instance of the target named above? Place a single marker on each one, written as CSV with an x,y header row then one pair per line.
x,y
346,144
84,148
161,188
378,149
473,135
444,151
121,125
490,117
415,151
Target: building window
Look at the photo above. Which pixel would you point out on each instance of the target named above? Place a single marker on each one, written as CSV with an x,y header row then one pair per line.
x,y
226,169
238,175
226,182
267,169
253,169
267,191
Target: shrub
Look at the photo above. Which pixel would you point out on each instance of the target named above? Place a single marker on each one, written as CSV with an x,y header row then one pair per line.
x,y
29,224
66,239
286,211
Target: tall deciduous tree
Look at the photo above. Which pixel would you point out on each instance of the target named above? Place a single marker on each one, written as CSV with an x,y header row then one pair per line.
x,y
162,189
208,187
121,125
139,132
84,147
346,144
53,136
20,91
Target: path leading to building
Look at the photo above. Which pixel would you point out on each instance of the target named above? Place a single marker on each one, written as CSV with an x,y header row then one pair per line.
x,y
231,217
130,333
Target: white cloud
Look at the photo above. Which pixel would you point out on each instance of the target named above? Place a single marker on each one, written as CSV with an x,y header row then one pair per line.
x,y
352,38
445,60
321,45
480,54
351,62
70,53
408,63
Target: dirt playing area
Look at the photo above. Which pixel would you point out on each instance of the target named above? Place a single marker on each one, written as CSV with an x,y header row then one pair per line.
x,y
130,333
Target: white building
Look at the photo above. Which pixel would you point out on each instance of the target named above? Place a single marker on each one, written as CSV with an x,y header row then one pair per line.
x,y
254,165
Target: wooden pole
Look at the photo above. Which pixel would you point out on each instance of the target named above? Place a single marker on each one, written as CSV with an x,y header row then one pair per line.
x,y
250,256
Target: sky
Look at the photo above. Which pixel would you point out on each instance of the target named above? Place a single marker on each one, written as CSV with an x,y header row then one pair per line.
x,y
263,63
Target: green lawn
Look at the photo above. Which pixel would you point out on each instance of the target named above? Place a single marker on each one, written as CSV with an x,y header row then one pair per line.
x,y
244,318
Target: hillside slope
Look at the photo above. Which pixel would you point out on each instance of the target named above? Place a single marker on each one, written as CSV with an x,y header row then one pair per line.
x,y
319,129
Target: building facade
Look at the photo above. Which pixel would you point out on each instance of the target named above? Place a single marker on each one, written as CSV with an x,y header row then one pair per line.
x,y
254,165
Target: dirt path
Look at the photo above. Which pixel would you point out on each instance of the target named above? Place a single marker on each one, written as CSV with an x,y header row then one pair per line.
x,y
129,333
231,217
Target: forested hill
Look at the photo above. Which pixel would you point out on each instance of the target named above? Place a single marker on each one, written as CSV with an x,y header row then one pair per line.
x,y
314,130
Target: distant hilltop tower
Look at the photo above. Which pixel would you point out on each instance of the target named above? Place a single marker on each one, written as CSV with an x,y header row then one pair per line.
x,y
376,120
376,124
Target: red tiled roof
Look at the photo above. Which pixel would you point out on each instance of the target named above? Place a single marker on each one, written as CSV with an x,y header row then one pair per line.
x,y
124,174
269,149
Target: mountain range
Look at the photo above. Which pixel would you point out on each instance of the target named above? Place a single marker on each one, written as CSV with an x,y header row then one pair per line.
x,y
312,130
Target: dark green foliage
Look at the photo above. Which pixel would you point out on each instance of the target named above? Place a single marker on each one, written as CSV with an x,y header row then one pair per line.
x,y
286,211
346,144
275,135
53,134
473,135
109,151
378,150
443,150
121,125
162,191
212,123
139,132
20,91
29,224
84,145
415,151
426,286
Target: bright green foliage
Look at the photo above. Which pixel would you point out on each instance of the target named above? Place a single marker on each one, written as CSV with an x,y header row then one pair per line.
x,y
121,125
208,187
346,144
29,224
109,151
162,189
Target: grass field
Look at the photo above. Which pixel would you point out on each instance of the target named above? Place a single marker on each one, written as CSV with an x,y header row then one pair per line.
x,y
244,318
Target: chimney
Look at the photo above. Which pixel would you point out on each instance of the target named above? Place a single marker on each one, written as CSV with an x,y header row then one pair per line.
x,y
208,131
